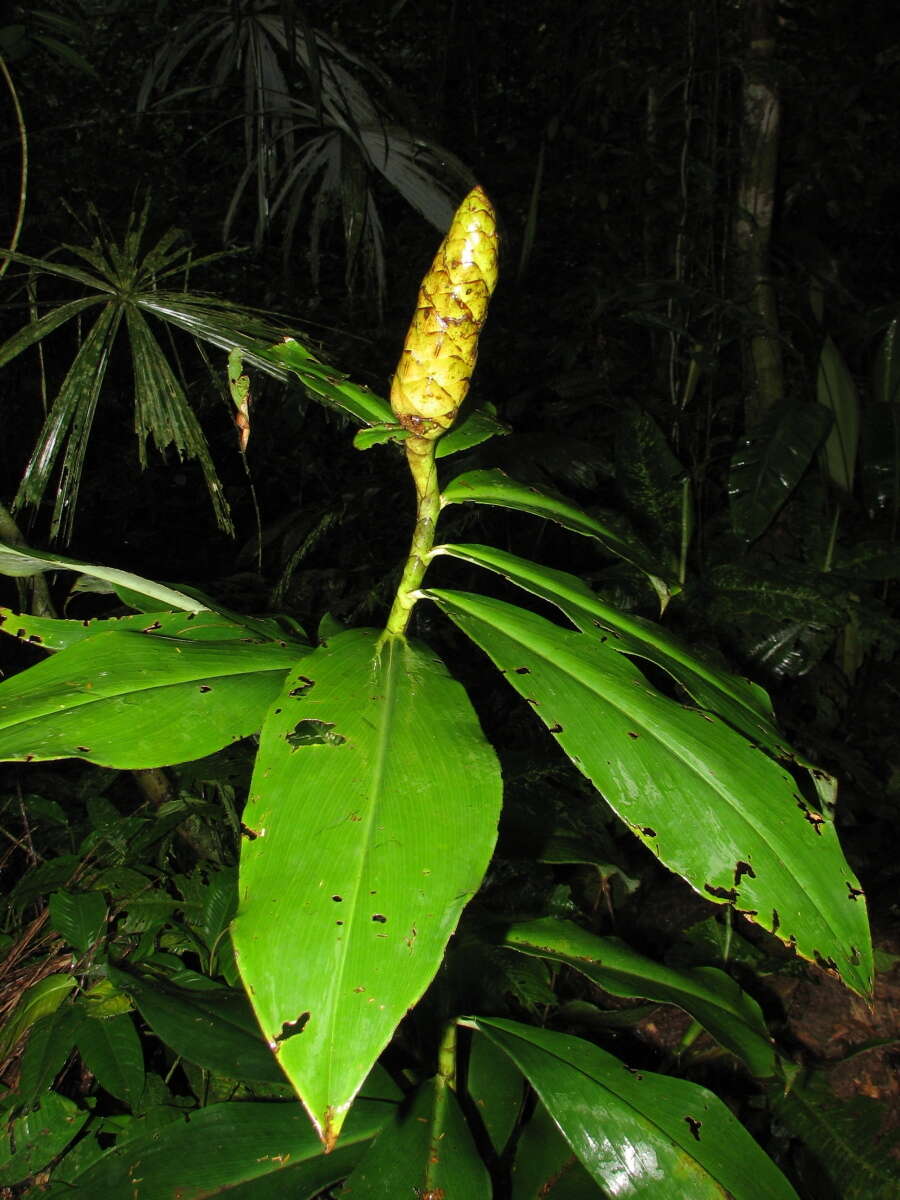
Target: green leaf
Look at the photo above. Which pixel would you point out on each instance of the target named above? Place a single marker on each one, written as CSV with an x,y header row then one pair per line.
x,y
161,408
708,995
22,561
36,330
41,999
836,390
69,421
769,463
496,1088
203,626
325,383
49,1045
427,1150
215,1029
652,481
111,1050
496,487
267,1147
634,1131
30,1142
479,426
131,700
851,1141
378,435
736,700
80,917
545,1167
372,816
707,802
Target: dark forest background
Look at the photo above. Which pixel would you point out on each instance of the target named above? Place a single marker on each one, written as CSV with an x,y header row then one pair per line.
x,y
700,212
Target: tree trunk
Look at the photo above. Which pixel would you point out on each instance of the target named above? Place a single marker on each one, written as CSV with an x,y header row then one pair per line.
x,y
761,111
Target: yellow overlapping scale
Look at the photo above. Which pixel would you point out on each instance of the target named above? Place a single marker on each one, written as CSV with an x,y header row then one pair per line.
x,y
441,345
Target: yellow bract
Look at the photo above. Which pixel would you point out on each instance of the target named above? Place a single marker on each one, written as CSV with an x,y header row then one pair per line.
x,y
442,342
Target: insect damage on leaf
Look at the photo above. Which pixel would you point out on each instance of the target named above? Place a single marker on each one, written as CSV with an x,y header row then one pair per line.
x,y
290,1029
314,733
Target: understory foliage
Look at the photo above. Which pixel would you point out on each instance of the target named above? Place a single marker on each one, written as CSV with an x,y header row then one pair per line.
x,y
434,795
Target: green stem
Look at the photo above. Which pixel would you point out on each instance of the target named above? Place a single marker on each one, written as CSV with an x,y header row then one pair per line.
x,y
444,1082
446,1072
420,456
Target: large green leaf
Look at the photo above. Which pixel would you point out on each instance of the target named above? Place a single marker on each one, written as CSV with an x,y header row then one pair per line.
x,y
639,1134
769,463
496,1089
80,917
268,1151
706,993
112,1051
735,699
132,700
707,802
204,626
49,1044
213,1028
426,1151
32,1140
22,561
372,816
545,1167
496,487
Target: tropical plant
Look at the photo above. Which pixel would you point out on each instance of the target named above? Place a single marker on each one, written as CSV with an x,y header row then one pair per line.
x,y
128,284
315,118
371,819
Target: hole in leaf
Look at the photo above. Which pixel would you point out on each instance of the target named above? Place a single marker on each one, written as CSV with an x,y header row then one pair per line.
x,y
633,735
523,670
740,870
291,1028
555,728
379,918
314,733
204,687
303,687
83,749
152,628
854,893
694,1126
722,893
338,899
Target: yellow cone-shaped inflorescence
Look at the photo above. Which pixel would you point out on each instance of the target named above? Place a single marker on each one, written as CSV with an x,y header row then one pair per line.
x,y
442,343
